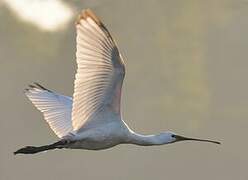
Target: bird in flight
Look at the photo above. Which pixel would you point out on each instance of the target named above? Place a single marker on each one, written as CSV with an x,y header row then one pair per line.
x,y
91,119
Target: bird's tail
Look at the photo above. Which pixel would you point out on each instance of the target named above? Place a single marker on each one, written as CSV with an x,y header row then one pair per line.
x,y
33,149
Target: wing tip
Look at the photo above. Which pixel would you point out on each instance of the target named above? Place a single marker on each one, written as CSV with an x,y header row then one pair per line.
x,y
35,86
88,13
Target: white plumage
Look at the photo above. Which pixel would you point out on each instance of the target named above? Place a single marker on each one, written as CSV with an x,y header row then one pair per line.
x,y
92,120
100,71
56,108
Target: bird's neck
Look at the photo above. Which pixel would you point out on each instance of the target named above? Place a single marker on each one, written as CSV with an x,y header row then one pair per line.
x,y
147,140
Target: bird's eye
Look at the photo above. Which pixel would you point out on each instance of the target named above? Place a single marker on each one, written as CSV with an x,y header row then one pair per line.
x,y
173,135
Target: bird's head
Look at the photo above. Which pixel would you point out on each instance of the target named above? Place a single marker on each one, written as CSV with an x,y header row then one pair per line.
x,y
171,137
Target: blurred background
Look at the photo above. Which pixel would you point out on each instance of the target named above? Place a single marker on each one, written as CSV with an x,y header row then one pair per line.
x,y
187,72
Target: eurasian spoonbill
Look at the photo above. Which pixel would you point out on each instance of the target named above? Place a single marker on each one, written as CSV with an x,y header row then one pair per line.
x,y
92,118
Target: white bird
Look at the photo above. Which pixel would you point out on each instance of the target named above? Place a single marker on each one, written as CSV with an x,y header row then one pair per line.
x,y
92,118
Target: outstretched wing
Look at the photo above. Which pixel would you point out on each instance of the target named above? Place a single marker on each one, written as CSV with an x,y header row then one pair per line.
x,y
100,71
56,108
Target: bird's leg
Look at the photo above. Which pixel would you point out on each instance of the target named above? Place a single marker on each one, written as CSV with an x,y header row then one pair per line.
x,y
62,143
33,149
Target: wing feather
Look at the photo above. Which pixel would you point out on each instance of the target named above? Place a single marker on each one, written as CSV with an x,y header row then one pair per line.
x,y
56,108
100,72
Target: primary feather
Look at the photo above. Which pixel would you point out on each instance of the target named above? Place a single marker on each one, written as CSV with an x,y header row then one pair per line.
x,y
100,71
55,107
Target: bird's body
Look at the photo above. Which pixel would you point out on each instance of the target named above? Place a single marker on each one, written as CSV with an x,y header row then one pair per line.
x,y
101,137
91,119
